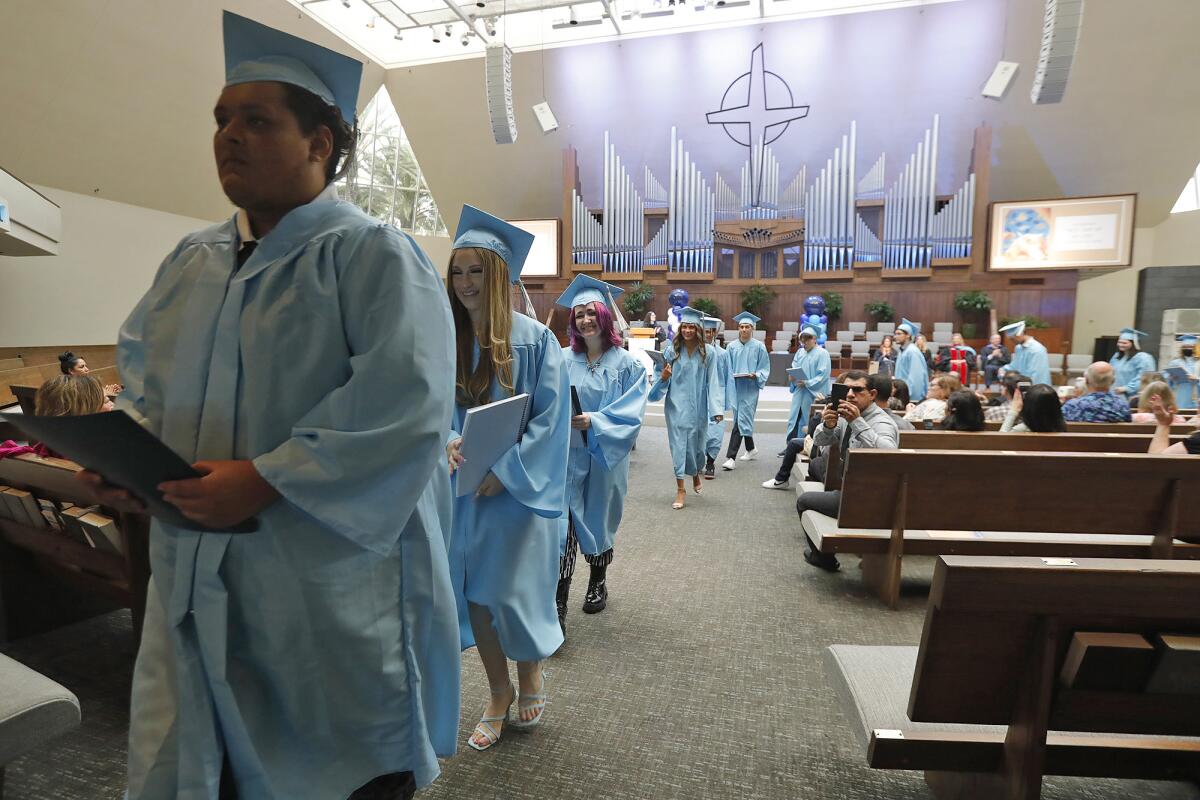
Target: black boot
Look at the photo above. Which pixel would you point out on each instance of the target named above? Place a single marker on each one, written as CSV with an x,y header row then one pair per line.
x,y
710,469
597,592
560,598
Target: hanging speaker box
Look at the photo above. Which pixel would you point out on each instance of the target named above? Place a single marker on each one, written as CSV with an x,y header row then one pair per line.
x,y
498,63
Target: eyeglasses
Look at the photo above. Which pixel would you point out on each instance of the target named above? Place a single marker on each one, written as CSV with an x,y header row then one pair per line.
x,y
856,389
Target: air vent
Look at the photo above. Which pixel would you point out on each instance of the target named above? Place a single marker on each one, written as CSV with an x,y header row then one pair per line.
x,y
1026,281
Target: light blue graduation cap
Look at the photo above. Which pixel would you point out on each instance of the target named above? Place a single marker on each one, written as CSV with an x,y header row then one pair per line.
x,y
1130,335
1014,328
1187,338
710,323
690,316
254,52
816,329
480,229
913,329
746,316
586,289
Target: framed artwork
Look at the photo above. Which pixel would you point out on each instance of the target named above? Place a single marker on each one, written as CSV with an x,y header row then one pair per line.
x,y
1068,233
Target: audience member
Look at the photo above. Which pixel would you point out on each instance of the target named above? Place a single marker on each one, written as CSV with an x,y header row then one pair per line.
x,y
994,356
883,386
885,355
660,333
958,358
1008,389
1035,410
963,412
933,407
900,392
923,345
1099,404
856,423
71,364
71,395
1159,389
1161,443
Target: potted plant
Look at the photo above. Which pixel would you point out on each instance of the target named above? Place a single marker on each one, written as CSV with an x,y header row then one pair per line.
x,y
880,310
637,300
833,304
755,299
707,306
972,305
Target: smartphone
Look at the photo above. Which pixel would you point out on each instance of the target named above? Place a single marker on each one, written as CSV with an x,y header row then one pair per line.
x,y
1022,386
838,393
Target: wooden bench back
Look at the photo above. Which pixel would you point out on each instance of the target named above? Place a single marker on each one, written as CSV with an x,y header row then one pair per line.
x,y
998,626
1050,492
1054,442
1111,427
97,355
26,397
11,363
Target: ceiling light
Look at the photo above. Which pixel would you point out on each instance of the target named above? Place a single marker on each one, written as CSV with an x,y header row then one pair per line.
x,y
480,4
490,25
466,39
371,23
346,3
574,20
436,39
449,32
399,37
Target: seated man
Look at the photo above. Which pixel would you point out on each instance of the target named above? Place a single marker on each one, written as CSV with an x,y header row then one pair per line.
x,y
857,423
993,356
817,456
1008,389
1099,404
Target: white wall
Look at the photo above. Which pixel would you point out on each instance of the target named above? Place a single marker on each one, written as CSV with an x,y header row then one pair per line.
x,y
1177,241
110,252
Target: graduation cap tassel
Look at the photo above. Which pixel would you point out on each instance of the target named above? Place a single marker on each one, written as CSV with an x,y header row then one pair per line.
x,y
529,309
618,317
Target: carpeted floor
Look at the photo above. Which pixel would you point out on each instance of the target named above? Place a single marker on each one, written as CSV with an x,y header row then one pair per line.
x,y
704,678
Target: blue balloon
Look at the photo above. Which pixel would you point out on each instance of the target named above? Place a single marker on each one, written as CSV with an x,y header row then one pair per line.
x,y
678,298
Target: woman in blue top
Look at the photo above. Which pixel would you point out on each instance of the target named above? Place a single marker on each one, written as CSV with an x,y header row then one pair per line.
x,y
1129,362
504,544
610,386
1185,387
688,380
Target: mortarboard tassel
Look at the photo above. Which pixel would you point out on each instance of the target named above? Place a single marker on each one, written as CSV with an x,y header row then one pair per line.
x,y
622,324
529,309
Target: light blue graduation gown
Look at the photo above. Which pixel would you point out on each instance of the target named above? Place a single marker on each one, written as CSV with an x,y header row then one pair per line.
x,y
914,371
318,652
504,549
1030,358
1185,391
818,368
744,358
692,401
1129,371
716,430
612,392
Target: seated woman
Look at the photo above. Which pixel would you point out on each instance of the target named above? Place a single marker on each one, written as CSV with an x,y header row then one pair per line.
x,y
63,396
71,364
885,356
963,412
1037,409
933,407
1145,412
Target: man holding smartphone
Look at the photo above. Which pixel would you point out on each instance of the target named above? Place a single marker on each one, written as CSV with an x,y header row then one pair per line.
x,y
851,421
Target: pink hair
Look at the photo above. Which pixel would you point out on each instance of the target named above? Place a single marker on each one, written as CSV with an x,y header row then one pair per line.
x,y
609,336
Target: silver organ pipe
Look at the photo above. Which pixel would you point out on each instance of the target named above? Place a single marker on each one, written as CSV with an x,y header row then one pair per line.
x,y
871,186
910,205
728,207
689,214
829,210
654,192
867,247
792,201
952,225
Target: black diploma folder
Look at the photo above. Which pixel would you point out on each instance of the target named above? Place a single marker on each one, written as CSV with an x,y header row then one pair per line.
x,y
125,453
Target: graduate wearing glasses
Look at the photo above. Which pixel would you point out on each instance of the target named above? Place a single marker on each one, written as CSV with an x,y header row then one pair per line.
x,y
316,656
611,388
504,550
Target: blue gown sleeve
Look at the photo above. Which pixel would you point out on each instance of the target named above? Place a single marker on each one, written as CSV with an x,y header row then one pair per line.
x,y
762,369
534,470
729,385
361,458
615,427
796,359
714,387
131,350
819,372
659,390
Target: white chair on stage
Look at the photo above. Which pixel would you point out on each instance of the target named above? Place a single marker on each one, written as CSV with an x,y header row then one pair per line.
x,y
1077,364
875,338
886,327
845,336
858,328
791,327
760,335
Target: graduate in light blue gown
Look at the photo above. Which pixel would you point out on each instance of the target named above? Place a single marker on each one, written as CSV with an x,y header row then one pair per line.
x,y
689,385
748,359
818,370
611,387
275,351
716,430
504,550
911,366
1185,389
1130,363
1029,355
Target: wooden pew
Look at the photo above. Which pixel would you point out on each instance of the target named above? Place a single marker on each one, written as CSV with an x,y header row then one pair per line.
x,y
26,398
11,363
1053,442
1111,427
120,577
97,355
984,706
1062,504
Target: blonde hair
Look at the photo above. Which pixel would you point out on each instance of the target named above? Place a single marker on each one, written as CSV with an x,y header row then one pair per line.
x,y
473,387
1156,388
69,396
948,383
921,342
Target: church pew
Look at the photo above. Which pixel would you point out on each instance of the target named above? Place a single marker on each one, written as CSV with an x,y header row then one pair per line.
x,y
897,502
97,355
991,700
121,578
1111,427
1054,442
11,363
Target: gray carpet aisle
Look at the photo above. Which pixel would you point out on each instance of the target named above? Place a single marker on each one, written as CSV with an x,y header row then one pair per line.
x,y
703,679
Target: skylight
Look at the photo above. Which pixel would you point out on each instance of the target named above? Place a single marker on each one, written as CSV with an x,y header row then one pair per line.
x,y
398,33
